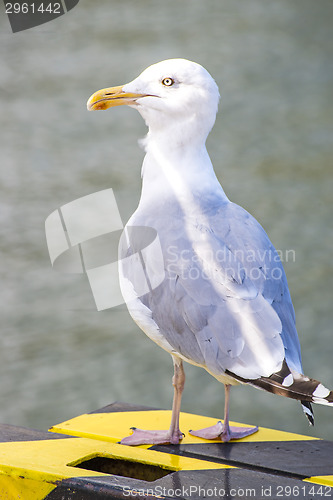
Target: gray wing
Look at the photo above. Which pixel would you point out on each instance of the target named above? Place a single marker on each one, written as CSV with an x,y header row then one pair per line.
x,y
224,301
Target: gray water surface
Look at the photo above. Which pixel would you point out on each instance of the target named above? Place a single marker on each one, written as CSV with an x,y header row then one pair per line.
x,y
272,151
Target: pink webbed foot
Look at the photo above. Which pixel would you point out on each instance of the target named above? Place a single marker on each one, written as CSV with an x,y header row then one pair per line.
x,y
225,433
140,436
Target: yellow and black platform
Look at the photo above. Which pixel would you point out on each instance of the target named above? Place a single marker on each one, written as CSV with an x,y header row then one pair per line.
x,y
80,459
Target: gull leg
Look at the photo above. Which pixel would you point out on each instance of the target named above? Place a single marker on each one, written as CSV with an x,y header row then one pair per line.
x,y
233,432
173,434
224,431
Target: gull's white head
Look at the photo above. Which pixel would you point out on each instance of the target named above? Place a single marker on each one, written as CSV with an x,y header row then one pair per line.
x,y
174,95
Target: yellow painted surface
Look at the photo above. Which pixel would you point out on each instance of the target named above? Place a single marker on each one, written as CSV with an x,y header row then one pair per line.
x,y
54,459
322,480
30,470
46,459
15,488
114,426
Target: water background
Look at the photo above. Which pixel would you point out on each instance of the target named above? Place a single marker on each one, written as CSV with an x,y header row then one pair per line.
x,y
272,151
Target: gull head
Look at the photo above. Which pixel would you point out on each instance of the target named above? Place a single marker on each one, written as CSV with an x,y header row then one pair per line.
x,y
175,94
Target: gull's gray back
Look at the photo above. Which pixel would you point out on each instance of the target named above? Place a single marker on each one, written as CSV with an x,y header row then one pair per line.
x,y
224,301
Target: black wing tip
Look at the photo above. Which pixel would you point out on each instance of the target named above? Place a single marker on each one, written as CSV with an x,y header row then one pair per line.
x,y
308,412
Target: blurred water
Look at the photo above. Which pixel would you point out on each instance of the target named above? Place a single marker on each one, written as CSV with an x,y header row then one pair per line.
x,y
271,148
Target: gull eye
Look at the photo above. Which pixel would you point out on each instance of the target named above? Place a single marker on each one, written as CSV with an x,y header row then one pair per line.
x,y
168,82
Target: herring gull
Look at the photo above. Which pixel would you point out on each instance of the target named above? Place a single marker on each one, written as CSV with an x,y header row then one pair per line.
x,y
223,303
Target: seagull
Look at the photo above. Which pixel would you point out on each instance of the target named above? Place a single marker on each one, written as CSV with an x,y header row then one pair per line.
x,y
223,302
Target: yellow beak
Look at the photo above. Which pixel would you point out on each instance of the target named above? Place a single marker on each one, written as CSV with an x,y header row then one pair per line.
x,y
113,96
